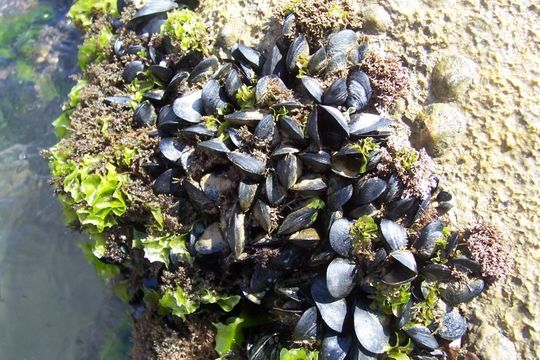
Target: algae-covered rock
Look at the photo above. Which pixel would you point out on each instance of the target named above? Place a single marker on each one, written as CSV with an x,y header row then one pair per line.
x,y
452,76
492,345
438,127
376,19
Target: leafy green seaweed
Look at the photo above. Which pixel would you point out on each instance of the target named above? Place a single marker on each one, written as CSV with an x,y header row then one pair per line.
x,y
82,12
94,48
298,354
364,148
186,30
159,248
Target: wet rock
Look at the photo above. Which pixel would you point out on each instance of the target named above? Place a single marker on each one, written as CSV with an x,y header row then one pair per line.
x,y
452,76
492,345
376,19
438,127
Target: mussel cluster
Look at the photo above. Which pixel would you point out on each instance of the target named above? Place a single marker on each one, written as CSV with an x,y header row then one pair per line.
x,y
287,169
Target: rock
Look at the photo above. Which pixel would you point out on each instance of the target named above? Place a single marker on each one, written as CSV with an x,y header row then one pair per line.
x,y
376,19
451,77
490,344
438,127
229,35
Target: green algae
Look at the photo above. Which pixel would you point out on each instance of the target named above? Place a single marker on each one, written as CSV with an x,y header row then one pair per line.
x,y
82,12
186,30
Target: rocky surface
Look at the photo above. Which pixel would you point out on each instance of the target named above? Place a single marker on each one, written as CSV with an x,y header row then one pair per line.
x,y
493,170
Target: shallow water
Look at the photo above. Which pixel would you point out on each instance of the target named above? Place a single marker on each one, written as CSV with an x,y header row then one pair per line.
x,y
52,304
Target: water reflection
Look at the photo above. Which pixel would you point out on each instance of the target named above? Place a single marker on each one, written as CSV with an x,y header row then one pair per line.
x,y
52,305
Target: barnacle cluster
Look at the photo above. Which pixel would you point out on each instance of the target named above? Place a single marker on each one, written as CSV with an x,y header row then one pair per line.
x,y
259,206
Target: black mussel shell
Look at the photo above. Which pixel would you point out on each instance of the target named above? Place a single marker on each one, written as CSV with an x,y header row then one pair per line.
x,y
299,49
460,292
427,240
453,326
145,115
335,346
232,84
171,149
211,241
436,272
340,237
394,234
248,163
162,72
275,193
289,170
273,64
333,311
359,353
403,270
124,101
359,90
307,327
327,127
422,337
235,232
312,88
340,277
215,146
317,62
363,124
338,195
371,328
336,93
342,42
466,265
309,185
297,220
189,107
249,118
253,57
317,161
246,194
213,97
167,183
291,129
261,214
203,70
306,238
368,190
154,7
131,71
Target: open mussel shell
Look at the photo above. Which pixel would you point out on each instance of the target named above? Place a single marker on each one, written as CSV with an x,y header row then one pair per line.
x,y
394,234
453,326
460,292
371,328
312,88
327,127
426,242
348,162
247,163
403,269
145,115
307,327
306,238
335,346
152,8
363,124
422,337
252,56
189,107
340,277
333,311
340,237
248,118
309,185
211,241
